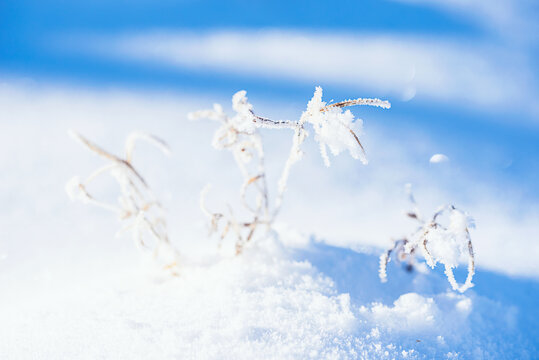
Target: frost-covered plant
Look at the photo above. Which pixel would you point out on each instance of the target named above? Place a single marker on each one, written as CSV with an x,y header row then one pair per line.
x,y
439,243
137,205
333,128
239,135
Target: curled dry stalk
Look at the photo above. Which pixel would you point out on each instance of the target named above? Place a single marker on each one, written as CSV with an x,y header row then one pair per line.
x,y
333,128
137,205
240,137
447,243
401,256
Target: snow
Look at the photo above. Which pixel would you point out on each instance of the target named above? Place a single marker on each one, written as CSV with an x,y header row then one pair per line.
x,y
271,303
438,158
70,289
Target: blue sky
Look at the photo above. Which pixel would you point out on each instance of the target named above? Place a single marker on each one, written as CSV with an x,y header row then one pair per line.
x,y
54,42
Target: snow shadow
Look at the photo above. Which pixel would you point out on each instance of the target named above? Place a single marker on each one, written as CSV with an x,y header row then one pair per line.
x,y
356,273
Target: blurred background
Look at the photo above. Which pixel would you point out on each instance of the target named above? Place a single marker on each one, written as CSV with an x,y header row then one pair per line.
x,y
461,77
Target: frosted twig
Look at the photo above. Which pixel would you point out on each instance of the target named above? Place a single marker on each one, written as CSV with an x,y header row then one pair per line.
x,y
239,134
360,101
272,124
432,233
471,269
154,140
399,248
137,202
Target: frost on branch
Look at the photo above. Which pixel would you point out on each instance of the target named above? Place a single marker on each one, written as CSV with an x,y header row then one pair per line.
x,y
137,206
439,243
239,135
333,129
401,255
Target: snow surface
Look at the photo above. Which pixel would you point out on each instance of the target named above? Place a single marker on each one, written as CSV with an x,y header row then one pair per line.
x,y
70,289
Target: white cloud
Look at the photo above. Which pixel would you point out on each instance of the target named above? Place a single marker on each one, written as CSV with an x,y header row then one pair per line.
x,y
514,19
451,71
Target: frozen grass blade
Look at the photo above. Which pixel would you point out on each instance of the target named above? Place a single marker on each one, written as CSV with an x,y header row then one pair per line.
x,y
446,243
240,135
137,205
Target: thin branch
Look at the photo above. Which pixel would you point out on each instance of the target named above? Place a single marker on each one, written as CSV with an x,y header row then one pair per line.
x,y
360,101
422,238
137,202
